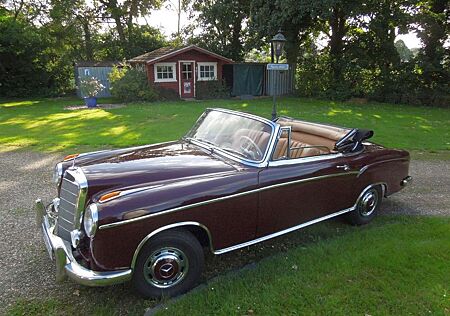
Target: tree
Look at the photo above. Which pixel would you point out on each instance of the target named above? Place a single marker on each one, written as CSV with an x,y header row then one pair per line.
x,y
223,26
22,57
433,18
403,51
123,14
178,6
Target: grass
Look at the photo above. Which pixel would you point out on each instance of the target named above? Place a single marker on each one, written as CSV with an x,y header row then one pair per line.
x,y
397,268
396,265
44,124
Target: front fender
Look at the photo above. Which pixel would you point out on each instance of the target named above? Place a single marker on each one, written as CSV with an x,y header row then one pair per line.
x,y
217,202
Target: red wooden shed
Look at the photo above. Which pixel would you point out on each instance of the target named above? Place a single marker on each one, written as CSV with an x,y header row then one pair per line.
x,y
180,68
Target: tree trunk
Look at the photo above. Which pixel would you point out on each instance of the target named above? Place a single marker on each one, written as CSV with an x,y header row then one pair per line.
x,y
236,46
87,40
116,15
292,48
338,31
179,18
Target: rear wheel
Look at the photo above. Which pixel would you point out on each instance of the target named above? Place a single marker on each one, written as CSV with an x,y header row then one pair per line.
x,y
367,207
169,264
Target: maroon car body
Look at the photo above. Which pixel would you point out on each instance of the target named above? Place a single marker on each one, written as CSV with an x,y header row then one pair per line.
x,y
223,200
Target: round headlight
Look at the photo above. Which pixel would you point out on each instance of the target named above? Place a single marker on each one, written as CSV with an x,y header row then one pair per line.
x,y
90,220
57,173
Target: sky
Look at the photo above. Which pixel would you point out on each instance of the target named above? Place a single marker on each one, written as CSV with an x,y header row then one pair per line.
x,y
166,20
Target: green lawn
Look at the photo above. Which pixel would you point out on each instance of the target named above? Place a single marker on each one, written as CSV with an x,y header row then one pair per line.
x,y
398,268
396,265
46,125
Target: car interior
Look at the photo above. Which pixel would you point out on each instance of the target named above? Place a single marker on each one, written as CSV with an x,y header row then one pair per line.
x,y
307,139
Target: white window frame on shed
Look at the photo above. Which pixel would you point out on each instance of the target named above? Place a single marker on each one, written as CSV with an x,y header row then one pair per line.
x,y
199,77
174,72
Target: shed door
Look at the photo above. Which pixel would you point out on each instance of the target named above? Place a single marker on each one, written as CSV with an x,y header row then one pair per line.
x,y
187,79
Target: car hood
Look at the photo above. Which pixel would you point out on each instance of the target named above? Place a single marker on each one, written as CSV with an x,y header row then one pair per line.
x,y
141,166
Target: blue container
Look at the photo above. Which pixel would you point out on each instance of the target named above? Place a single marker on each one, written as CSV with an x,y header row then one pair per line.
x,y
91,102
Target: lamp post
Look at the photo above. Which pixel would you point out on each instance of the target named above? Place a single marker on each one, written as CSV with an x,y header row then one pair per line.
x,y
277,44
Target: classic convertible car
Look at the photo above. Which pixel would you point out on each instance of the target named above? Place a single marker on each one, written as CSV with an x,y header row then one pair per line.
x,y
146,213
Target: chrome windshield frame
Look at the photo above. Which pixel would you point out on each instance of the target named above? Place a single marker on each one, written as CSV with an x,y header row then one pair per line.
x,y
251,163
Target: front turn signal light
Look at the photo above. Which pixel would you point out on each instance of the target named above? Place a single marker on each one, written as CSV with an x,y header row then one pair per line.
x,y
109,196
68,157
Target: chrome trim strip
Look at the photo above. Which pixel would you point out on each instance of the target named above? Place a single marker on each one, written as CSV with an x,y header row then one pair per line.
x,y
291,229
282,232
254,241
153,233
364,169
295,161
180,208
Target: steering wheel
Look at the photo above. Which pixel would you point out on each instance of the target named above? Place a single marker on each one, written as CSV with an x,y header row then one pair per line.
x,y
249,147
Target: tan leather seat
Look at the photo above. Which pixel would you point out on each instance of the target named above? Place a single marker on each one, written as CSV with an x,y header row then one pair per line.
x,y
297,150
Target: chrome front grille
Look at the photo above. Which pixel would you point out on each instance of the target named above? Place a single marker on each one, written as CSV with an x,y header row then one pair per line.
x,y
72,195
68,196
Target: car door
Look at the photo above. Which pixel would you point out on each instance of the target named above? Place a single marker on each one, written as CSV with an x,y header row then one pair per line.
x,y
298,191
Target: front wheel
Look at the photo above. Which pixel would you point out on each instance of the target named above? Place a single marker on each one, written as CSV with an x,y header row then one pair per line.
x,y
367,207
168,265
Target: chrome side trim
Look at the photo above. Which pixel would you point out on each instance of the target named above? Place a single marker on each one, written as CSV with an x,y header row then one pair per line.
x,y
282,232
161,229
364,169
180,208
291,229
298,161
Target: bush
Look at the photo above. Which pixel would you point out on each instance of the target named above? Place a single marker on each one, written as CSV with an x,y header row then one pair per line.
x,y
213,89
130,84
165,94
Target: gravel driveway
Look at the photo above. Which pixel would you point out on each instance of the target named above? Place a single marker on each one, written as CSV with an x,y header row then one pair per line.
x,y
25,269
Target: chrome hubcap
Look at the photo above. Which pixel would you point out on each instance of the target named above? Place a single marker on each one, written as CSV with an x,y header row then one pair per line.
x,y
166,267
369,202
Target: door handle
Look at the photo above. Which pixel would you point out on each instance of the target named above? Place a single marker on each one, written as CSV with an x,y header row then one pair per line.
x,y
345,167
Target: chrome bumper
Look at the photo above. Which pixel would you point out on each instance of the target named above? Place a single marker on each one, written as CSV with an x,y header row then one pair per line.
x,y
66,265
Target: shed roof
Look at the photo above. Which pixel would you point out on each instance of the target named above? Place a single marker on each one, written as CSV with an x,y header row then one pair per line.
x,y
166,52
97,63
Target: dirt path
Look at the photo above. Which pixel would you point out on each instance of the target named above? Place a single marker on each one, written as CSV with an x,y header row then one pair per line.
x,y
26,272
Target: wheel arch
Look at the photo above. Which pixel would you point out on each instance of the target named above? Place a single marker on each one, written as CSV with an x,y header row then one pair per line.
x,y
384,188
200,232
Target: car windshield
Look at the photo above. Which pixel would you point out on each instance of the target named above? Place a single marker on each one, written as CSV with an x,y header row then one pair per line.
x,y
238,135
